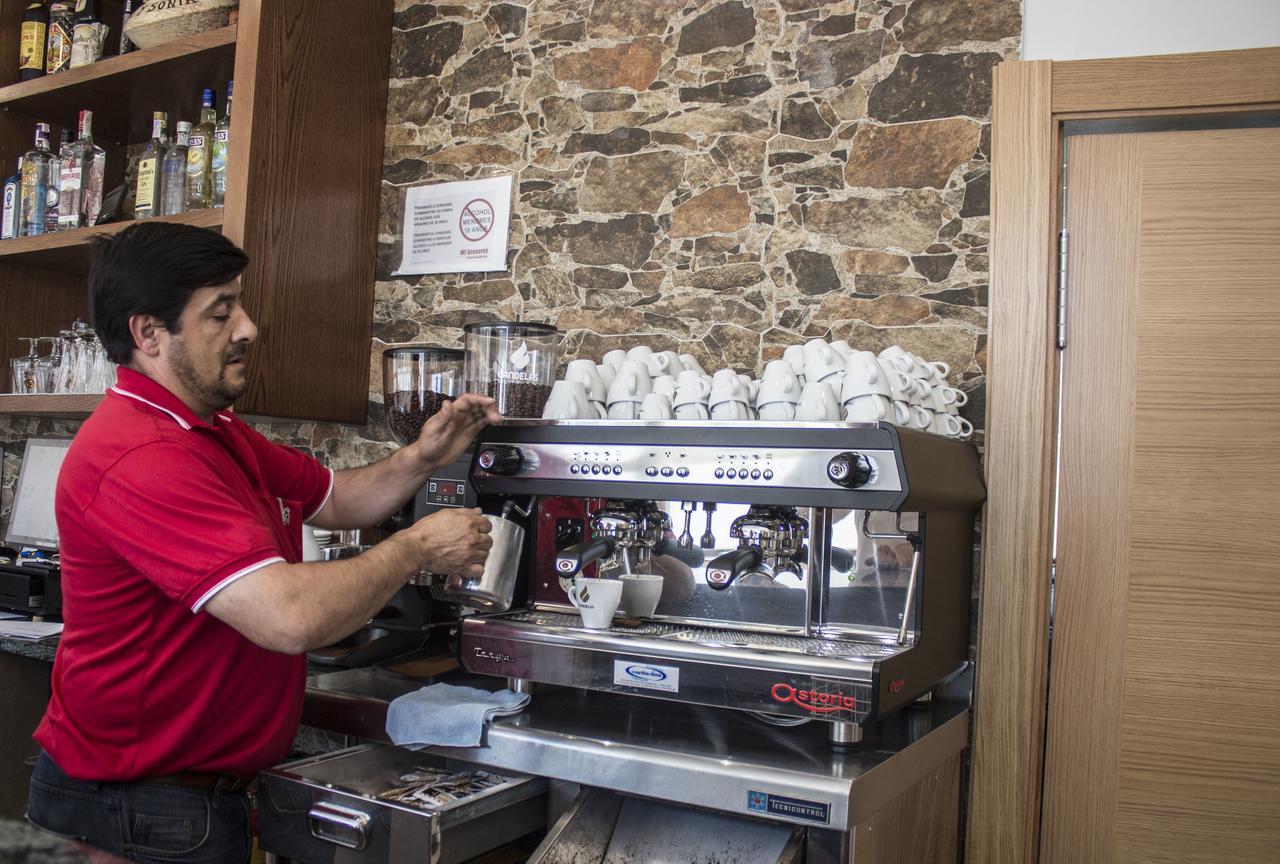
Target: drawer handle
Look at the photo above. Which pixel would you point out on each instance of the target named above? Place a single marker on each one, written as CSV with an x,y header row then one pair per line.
x,y
339,825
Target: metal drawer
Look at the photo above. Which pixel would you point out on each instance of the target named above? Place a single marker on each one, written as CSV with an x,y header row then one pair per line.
x,y
331,808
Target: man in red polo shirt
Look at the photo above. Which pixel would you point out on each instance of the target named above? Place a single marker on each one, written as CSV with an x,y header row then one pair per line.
x,y
188,610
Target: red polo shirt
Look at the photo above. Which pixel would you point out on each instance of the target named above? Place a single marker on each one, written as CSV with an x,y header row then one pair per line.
x,y
157,512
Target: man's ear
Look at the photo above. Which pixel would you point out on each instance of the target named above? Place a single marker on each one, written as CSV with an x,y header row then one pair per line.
x,y
146,330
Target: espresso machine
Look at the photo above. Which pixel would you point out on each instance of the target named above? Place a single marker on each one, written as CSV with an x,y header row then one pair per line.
x,y
830,579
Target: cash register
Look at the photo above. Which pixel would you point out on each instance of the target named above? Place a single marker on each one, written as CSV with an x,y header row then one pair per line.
x,y
29,576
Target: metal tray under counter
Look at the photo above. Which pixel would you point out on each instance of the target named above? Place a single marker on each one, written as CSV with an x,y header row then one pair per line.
x,y
335,808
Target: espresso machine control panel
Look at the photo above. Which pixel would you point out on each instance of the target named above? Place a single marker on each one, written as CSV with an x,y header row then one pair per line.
x,y
873,470
835,465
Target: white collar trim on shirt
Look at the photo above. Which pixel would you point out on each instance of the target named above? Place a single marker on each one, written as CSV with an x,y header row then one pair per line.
x,y
183,423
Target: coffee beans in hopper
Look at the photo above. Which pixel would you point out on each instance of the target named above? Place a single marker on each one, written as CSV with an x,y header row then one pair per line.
x,y
518,398
410,409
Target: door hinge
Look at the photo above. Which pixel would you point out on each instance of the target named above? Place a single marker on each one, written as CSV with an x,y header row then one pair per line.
x,y
1062,288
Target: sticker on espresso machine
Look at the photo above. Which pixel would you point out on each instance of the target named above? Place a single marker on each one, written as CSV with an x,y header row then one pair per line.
x,y
794,808
629,673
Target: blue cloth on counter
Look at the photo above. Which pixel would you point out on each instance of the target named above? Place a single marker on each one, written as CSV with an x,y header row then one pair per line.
x,y
447,715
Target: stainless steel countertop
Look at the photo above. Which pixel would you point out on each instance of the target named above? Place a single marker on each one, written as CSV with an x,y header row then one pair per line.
x,y
704,757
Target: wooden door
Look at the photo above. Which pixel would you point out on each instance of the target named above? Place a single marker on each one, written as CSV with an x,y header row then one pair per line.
x,y
1163,733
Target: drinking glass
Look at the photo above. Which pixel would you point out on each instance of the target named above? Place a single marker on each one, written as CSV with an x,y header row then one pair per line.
x,y
24,368
46,365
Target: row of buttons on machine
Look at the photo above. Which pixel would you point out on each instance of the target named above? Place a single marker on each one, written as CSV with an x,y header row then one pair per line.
x,y
595,469
743,474
668,471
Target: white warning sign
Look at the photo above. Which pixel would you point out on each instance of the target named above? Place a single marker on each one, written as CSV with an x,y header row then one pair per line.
x,y
458,227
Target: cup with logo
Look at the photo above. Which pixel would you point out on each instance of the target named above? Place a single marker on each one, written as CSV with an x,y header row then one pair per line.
x,y
512,361
596,600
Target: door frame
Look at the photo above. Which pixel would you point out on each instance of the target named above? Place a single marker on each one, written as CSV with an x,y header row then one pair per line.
x,y
1031,101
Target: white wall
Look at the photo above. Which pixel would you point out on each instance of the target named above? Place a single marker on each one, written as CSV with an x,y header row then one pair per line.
x,y
1080,29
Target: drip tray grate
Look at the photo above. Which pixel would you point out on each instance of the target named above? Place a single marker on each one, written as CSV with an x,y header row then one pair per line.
x,y
709,636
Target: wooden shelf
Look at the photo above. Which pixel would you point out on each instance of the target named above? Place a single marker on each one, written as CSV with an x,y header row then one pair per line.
x,y
67,251
123,91
69,406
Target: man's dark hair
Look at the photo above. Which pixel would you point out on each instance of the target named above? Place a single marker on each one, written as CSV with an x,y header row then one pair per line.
x,y
153,268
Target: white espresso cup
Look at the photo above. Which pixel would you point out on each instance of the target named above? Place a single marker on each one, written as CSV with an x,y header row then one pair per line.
x,y
640,594
730,411
631,384
921,418
671,363
656,406
871,408
614,358
586,374
691,410
657,364
694,382
623,411
690,363
568,400
726,386
794,355
820,361
777,411
607,373
864,376
596,600
664,384
817,403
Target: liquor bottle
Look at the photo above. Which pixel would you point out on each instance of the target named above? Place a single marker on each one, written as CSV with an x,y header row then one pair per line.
x,y
146,197
90,35
126,44
9,223
62,23
80,185
53,189
32,195
200,155
31,42
173,173
221,149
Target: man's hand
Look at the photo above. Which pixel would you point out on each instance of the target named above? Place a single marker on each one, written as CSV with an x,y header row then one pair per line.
x,y
451,541
448,434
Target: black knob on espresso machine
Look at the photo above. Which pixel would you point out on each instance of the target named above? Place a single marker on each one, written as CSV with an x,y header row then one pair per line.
x,y
500,459
850,470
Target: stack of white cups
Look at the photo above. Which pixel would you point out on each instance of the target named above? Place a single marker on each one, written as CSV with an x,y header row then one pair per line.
x,y
814,382
922,398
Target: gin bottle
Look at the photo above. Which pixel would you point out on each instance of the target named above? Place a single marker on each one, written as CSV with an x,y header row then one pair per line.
x,y
9,224
221,148
173,173
53,190
200,155
146,194
33,191
80,184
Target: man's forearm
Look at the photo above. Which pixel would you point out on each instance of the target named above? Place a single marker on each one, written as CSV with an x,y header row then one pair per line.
x,y
295,608
363,497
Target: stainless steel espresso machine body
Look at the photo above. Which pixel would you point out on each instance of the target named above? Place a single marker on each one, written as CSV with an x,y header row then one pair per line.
x,y
830,580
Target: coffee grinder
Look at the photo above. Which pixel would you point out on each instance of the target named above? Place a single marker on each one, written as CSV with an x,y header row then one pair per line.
x,y
416,382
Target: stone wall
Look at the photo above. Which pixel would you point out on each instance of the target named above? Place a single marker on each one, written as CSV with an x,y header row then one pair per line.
x,y
723,178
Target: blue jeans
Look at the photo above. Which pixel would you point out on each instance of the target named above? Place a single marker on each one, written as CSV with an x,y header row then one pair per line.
x,y
141,821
